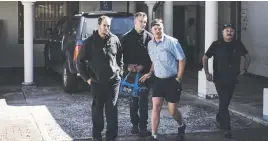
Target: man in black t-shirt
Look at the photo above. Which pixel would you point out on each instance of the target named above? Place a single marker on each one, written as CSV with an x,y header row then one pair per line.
x,y
227,53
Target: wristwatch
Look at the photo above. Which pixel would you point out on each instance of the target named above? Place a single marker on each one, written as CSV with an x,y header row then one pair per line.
x,y
178,79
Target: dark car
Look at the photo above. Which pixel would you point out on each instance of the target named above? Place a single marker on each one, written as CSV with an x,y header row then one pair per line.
x,y
66,39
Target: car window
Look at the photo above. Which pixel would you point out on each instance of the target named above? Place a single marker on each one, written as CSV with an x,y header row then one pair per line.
x,y
89,25
59,25
61,29
73,26
121,25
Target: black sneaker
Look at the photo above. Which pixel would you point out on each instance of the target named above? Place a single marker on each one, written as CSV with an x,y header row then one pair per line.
x,y
228,134
135,129
152,139
181,133
144,133
97,139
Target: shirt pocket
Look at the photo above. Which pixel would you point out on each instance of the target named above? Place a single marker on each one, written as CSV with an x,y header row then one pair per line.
x,y
164,55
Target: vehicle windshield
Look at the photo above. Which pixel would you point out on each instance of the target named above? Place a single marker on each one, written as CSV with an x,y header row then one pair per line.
x,y
119,25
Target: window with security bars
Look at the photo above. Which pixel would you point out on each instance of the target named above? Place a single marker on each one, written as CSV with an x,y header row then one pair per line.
x,y
46,15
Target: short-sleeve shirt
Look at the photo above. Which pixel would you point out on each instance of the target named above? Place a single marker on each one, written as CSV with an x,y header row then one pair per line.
x,y
227,57
165,55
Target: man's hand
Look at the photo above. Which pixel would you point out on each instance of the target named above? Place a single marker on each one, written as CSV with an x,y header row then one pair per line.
x,y
139,68
89,81
209,76
145,77
131,67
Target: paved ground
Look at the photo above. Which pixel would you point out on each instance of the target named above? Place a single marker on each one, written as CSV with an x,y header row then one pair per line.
x,y
252,134
50,114
247,99
47,113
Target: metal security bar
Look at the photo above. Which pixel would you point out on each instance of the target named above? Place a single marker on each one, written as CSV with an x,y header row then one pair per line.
x,y
47,14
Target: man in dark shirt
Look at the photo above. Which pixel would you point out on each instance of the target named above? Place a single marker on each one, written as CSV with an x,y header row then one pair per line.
x,y
136,59
227,53
103,52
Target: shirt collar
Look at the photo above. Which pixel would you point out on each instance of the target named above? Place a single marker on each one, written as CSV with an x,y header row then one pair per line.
x,y
142,32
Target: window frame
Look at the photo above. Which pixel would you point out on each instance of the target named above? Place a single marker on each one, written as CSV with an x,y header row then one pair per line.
x,y
21,20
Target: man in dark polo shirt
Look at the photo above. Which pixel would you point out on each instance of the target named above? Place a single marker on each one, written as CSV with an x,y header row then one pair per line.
x,y
227,53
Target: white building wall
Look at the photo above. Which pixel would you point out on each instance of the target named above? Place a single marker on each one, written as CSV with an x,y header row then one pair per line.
x,y
254,35
11,53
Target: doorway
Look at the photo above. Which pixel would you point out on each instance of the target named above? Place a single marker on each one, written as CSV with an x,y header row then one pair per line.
x,y
179,24
185,30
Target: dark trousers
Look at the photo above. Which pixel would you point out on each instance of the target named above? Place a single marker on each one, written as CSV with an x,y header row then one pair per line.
x,y
139,104
105,95
225,92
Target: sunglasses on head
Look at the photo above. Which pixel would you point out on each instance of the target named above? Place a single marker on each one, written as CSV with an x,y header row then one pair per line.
x,y
227,25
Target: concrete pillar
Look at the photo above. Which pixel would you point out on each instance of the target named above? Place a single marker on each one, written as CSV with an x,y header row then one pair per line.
x,y
207,89
168,17
265,104
132,7
28,42
150,5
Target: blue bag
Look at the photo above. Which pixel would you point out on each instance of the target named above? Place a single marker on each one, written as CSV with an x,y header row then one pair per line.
x,y
131,89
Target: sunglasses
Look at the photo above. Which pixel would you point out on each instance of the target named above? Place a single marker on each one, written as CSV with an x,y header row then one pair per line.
x,y
227,25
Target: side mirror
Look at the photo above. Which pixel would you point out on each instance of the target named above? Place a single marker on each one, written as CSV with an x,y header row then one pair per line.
x,y
48,31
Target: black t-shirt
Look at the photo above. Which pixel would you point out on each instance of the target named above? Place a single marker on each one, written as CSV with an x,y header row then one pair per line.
x,y
135,49
227,57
